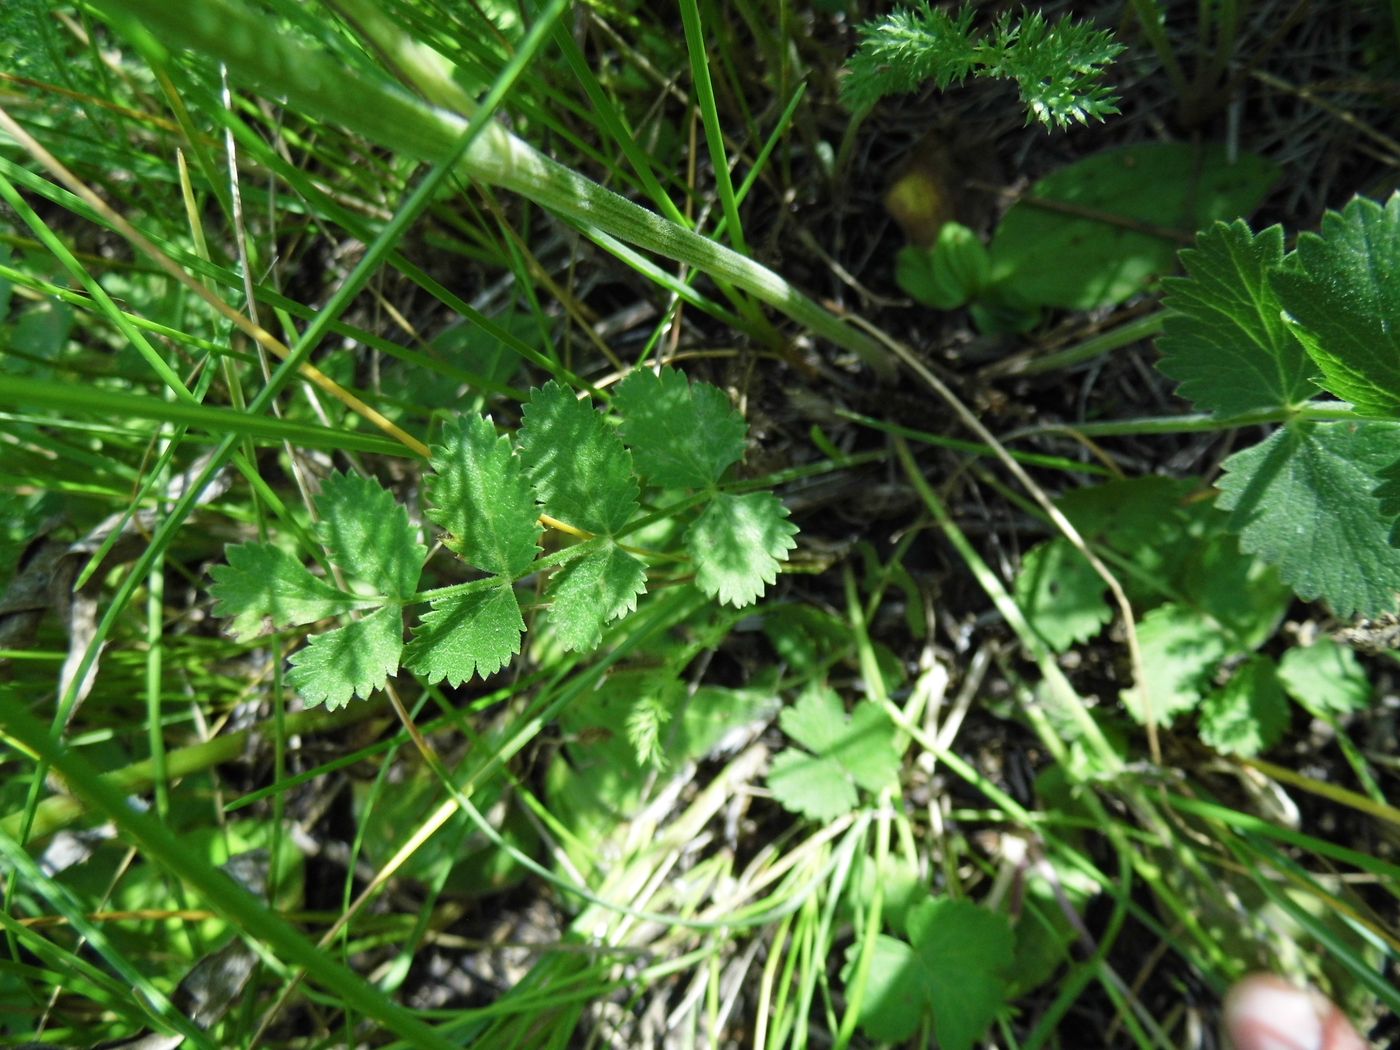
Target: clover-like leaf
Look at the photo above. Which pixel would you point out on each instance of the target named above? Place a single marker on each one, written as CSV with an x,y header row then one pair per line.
x,y
1249,714
1342,290
593,590
368,534
478,493
846,752
1303,500
353,660
465,634
682,434
1061,594
262,583
1225,338
738,543
581,472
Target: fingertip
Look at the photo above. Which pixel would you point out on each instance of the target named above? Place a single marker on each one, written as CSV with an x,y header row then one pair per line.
x,y
1264,1012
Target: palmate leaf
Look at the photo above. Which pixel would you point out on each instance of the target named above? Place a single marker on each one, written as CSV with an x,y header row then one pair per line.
x,y
1225,338
738,543
353,660
1304,501
956,965
682,434
262,583
368,534
478,493
593,590
581,472
1342,290
465,634
846,753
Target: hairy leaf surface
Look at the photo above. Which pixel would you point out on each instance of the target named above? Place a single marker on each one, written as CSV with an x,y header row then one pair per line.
x,y
466,634
682,434
263,582
593,590
368,534
353,660
737,544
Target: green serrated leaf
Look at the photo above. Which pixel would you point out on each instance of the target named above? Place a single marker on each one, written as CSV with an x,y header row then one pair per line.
x,y
847,752
737,545
1061,594
1181,649
1387,494
592,591
895,994
1303,500
1225,338
966,952
581,472
1342,290
478,493
1249,714
682,434
368,534
466,634
263,582
1325,676
353,660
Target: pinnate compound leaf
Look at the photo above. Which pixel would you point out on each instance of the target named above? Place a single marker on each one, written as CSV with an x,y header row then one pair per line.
x,y
263,582
1342,288
1225,338
847,752
465,634
1325,675
478,493
581,472
737,544
1249,714
1061,595
957,966
368,534
1303,500
353,660
592,591
682,434
1181,649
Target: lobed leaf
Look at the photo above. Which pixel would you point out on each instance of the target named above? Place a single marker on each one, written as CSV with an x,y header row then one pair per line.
x,y
478,492
264,583
1327,676
1225,338
1181,649
1061,594
592,591
1249,714
368,534
465,634
738,543
1342,291
581,472
1304,501
682,434
353,660
847,752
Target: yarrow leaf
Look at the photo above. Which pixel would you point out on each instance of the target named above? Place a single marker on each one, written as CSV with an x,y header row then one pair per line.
x,y
847,752
465,634
581,472
1225,338
593,590
265,583
478,493
368,534
353,660
738,543
1304,501
682,434
1341,289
